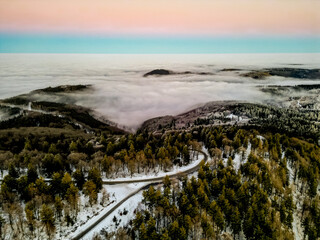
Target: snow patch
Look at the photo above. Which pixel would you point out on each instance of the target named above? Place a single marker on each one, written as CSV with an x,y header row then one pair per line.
x,y
123,214
117,193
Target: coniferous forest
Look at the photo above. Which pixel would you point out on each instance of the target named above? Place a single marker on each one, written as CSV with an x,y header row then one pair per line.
x,y
255,184
225,170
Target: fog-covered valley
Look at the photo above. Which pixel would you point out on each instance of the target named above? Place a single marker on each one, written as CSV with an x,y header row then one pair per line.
x,y
123,95
82,137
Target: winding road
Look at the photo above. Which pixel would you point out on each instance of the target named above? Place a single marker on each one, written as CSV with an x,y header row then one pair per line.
x,y
153,181
149,181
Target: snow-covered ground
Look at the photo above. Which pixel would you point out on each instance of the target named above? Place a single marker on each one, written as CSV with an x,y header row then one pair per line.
x,y
238,160
123,215
126,211
262,138
296,227
88,215
205,150
117,193
291,173
234,117
3,173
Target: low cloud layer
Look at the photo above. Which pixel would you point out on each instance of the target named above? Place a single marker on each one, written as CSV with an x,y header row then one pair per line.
x,y
130,103
124,96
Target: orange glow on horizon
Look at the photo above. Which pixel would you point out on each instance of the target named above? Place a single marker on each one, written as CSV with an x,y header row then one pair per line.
x,y
162,17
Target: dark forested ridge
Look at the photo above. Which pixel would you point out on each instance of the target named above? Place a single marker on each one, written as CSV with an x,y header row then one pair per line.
x,y
276,186
261,180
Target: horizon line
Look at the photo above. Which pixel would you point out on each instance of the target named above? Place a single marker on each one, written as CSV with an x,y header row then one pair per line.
x,y
43,43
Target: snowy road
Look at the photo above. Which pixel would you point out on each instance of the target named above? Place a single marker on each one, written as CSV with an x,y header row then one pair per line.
x,y
178,172
149,182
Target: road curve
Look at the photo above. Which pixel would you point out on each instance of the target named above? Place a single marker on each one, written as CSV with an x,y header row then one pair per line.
x,y
172,175
153,181
89,228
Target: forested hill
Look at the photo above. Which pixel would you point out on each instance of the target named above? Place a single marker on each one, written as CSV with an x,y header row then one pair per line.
x,y
53,107
272,193
294,122
261,179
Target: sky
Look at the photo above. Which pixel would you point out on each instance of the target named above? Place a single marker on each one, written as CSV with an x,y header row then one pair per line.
x,y
159,26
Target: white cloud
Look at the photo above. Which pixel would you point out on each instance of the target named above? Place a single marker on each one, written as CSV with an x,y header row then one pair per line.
x,y
124,96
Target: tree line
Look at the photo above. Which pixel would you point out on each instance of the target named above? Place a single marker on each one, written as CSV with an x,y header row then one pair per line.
x,y
256,201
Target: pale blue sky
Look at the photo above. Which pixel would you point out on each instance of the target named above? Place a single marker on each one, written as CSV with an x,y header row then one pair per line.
x,y
36,43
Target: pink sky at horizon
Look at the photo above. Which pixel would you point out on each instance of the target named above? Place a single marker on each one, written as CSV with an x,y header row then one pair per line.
x,y
165,17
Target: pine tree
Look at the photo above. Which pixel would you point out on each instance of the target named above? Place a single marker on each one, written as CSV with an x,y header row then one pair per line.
x,y
55,183
66,181
47,219
72,196
41,186
107,163
132,151
89,189
166,182
143,232
248,224
151,227
32,173
283,212
137,221
95,176
174,230
186,154
165,235
27,145
148,151
217,216
73,147
53,149
29,211
23,187
187,223
79,178
230,162
110,149
235,222
58,204
132,167
201,173
206,227
13,171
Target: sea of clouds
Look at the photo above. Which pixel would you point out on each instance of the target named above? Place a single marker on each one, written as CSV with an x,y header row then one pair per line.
x,y
123,95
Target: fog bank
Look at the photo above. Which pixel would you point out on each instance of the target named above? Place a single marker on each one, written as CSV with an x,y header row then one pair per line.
x,y
123,95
